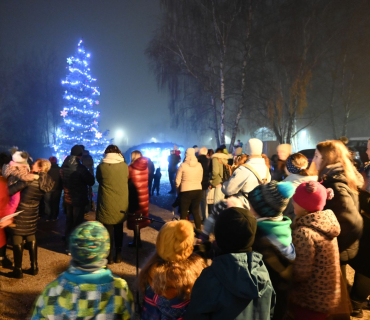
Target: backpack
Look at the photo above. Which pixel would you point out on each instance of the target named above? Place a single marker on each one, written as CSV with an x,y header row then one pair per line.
x,y
260,181
226,171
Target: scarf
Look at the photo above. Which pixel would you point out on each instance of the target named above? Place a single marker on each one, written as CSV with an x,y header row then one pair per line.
x,y
113,158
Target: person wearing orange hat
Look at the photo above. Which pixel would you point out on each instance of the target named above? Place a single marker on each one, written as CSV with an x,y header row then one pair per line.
x,y
168,277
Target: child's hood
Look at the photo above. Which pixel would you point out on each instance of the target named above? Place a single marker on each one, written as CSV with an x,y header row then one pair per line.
x,y
324,222
242,274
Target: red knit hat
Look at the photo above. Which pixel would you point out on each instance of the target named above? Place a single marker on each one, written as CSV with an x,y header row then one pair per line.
x,y
312,196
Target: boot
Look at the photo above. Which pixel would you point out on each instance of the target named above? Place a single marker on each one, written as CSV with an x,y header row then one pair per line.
x,y
18,255
133,243
32,247
118,255
357,309
6,263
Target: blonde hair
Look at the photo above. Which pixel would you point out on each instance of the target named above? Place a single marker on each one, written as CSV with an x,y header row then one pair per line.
x,y
334,151
171,276
136,154
43,164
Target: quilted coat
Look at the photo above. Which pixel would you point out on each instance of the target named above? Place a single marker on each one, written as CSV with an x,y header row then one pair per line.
x,y
31,195
316,270
139,176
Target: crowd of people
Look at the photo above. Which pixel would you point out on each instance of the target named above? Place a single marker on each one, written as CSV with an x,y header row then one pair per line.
x,y
279,233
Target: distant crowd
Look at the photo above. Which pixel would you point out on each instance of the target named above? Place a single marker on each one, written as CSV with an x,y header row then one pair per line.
x,y
272,238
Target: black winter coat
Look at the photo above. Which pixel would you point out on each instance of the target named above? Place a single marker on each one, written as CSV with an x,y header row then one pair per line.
x,y
345,206
361,263
76,179
54,173
31,195
205,162
173,161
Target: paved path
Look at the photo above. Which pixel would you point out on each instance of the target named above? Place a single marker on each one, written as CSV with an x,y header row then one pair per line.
x,y
17,296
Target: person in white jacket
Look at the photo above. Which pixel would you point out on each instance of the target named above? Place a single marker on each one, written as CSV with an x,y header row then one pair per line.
x,y
248,176
189,186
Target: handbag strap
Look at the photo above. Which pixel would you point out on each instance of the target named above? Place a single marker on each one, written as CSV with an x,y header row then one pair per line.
x,y
260,181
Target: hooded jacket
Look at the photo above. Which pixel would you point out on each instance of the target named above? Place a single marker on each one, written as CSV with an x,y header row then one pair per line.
x,y
345,206
236,286
244,181
316,270
218,160
112,175
76,179
190,174
139,176
30,197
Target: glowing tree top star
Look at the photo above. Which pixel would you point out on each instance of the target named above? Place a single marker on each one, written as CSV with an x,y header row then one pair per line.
x,y
80,119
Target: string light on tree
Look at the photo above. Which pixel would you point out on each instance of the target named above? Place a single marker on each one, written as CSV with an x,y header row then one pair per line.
x,y
80,120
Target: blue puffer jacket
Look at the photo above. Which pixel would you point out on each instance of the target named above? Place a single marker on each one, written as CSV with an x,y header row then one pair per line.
x,y
236,286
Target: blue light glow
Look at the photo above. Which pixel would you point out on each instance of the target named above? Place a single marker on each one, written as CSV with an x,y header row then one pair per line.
x,y
80,124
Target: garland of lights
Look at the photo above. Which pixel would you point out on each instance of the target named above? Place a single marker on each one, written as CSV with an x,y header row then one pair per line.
x,y
80,120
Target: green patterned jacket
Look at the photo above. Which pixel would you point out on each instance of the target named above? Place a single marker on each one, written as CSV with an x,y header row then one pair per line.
x,y
80,296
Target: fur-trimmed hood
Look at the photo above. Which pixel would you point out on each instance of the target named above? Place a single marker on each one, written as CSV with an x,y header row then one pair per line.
x,y
222,156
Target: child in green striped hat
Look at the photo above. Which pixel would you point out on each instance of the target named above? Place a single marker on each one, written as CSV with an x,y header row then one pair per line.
x,y
87,290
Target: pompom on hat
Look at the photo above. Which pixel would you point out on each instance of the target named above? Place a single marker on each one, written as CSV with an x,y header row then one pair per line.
x,y
312,196
175,240
270,200
89,243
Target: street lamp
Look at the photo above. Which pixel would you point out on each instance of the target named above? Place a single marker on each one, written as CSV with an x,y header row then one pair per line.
x,y
119,135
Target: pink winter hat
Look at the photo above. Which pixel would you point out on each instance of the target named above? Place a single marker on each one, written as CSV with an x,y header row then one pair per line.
x,y
312,196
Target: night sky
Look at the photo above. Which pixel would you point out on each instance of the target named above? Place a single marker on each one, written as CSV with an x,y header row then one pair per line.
x,y
116,33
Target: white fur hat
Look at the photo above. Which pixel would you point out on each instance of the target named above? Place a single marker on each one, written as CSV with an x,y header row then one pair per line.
x,y
254,147
20,157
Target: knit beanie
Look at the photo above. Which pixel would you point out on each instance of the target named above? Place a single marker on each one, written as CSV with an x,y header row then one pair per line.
x,y
254,147
53,160
312,196
76,151
175,240
235,230
89,243
270,200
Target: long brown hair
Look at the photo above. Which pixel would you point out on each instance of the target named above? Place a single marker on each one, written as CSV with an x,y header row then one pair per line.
x,y
178,276
334,151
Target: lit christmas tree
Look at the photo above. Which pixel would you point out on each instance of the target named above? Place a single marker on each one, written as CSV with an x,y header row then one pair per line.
x,y
81,124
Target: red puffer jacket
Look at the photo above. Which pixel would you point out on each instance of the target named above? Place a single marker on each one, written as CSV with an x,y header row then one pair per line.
x,y
139,175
